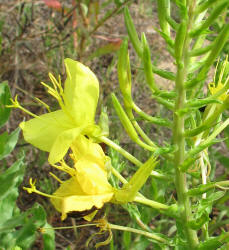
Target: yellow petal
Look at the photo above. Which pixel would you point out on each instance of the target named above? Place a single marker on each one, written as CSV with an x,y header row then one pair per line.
x,y
67,188
72,198
85,148
92,178
90,216
43,131
81,203
214,89
81,92
62,144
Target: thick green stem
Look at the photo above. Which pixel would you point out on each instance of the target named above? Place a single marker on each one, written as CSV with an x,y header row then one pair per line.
x,y
184,206
151,203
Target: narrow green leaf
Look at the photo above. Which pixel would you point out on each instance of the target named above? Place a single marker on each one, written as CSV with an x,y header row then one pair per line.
x,y
179,40
172,22
201,189
196,224
198,103
152,119
218,44
163,101
126,239
127,124
48,237
164,73
147,64
124,74
205,5
124,119
210,244
201,51
167,94
163,10
192,156
5,96
132,32
11,178
167,38
215,13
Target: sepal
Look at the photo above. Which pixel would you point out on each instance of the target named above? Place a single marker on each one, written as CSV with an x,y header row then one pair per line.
x,y
130,190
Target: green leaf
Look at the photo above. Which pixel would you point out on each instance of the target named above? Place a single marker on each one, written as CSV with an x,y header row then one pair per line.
x,y
198,103
192,156
8,142
218,44
163,8
200,51
196,224
141,244
212,17
4,100
210,244
202,188
13,222
132,210
126,239
204,5
147,65
48,237
179,40
27,234
9,182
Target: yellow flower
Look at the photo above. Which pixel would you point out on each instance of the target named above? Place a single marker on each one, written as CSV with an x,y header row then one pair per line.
x,y
54,132
88,186
214,89
222,81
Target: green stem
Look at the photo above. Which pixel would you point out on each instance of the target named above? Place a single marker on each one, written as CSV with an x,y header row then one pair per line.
x,y
142,134
137,231
184,207
151,203
119,149
130,157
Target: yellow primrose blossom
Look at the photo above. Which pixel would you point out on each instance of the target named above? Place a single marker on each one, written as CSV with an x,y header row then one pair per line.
x,y
217,86
88,185
55,132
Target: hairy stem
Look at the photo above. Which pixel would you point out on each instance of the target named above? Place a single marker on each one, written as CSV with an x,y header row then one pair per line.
x,y
179,140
